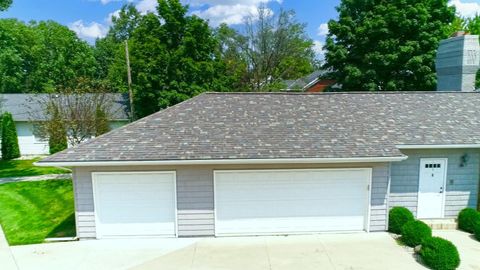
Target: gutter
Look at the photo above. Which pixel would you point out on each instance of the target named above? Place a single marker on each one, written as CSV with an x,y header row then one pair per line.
x,y
220,161
437,146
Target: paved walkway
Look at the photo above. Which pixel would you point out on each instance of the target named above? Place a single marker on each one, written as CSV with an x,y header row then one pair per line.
x,y
35,178
7,262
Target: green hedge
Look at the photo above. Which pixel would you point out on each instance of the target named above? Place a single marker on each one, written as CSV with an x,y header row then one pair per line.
x,y
476,231
439,254
397,217
467,218
10,149
415,232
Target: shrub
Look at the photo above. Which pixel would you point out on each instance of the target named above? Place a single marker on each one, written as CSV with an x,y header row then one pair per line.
x,y
415,232
476,231
10,149
398,216
440,254
467,218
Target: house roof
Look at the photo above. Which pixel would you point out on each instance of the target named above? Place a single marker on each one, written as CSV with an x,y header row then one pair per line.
x,y
28,107
304,82
227,126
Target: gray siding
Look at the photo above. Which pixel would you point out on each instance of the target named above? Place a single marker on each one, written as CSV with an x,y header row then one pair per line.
x,y
462,182
379,197
195,202
195,198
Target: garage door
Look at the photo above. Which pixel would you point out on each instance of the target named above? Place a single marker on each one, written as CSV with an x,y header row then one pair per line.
x,y
134,204
291,201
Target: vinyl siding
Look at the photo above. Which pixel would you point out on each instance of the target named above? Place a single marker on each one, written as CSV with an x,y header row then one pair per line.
x,y
195,199
462,182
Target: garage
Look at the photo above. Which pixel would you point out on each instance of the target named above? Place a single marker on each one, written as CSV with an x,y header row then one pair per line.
x,y
260,202
134,204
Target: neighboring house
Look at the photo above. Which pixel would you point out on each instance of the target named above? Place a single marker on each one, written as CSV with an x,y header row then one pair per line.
x,y
279,163
311,83
27,112
284,163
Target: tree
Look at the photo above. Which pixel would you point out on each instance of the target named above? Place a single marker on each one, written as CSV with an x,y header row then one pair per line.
x,y
276,47
5,4
101,122
173,57
379,45
39,56
73,112
10,149
56,131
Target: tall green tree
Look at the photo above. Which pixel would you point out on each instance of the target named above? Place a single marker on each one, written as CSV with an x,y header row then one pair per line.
x,y
275,47
20,49
173,56
387,45
5,4
39,56
10,148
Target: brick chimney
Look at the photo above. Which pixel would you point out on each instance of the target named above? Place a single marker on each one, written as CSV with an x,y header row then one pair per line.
x,y
458,59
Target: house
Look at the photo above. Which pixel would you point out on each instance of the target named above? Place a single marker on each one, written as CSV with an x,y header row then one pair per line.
x,y
27,111
311,83
225,164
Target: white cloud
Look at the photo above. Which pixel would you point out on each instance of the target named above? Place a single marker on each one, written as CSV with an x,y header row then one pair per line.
x,y
226,11
90,30
195,3
227,14
322,29
466,9
318,49
145,6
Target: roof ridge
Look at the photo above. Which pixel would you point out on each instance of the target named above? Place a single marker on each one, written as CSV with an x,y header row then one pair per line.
x,y
342,93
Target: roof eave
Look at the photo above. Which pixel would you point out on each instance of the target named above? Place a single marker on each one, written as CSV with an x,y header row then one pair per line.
x,y
437,146
220,161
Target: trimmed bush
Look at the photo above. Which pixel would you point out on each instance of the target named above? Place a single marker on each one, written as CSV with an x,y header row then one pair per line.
x,y
397,217
10,149
467,218
440,254
415,232
476,231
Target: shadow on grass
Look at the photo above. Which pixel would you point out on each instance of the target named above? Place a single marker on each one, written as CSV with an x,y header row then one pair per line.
x,y
64,229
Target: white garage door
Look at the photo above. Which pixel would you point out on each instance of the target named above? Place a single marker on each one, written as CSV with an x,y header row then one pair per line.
x,y
291,201
134,204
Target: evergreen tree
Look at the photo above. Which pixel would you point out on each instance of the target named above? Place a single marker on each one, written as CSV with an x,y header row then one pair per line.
x,y
10,149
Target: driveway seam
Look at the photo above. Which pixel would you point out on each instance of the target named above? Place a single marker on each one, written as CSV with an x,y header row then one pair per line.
x,y
3,242
326,253
268,254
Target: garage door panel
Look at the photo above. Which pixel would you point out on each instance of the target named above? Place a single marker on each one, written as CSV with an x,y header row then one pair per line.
x,y
266,202
289,225
135,204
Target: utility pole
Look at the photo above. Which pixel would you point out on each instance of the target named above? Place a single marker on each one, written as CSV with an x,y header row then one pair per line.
x,y
129,80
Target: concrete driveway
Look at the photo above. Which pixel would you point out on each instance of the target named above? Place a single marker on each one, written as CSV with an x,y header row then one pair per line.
x,y
467,246
324,251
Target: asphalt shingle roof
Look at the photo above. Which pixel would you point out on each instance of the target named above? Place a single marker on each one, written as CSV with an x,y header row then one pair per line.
x,y
287,125
28,107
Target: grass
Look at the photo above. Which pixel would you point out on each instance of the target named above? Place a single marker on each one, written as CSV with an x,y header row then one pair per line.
x,y
33,211
15,168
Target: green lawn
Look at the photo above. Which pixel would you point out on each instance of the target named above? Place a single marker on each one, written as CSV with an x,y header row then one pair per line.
x,y
13,168
33,211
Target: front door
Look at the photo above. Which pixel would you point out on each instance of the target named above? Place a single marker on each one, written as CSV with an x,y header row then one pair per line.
x,y
431,188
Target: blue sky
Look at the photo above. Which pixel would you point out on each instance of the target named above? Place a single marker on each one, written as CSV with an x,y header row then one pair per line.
x,y
90,18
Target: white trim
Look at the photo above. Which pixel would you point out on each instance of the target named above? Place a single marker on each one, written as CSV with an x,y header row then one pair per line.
x,y
369,196
220,161
437,146
95,210
445,169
